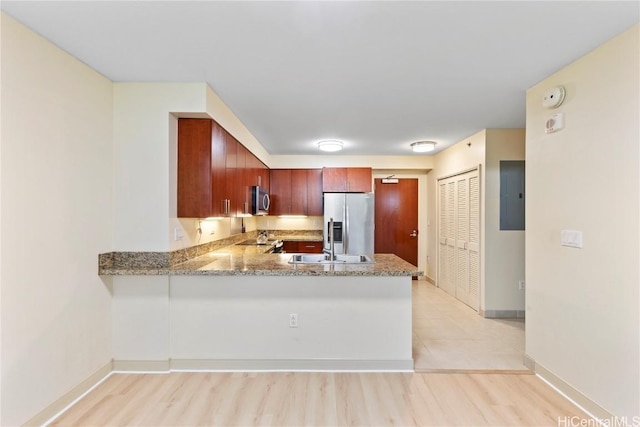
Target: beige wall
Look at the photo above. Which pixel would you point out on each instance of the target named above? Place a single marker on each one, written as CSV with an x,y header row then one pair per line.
x,y
504,257
466,154
409,162
144,141
501,252
583,304
57,210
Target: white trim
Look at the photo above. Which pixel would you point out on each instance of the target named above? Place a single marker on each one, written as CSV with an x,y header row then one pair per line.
x,y
460,173
292,365
588,406
145,366
61,405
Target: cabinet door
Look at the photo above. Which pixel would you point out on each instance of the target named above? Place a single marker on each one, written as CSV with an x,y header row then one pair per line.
x,y
280,183
194,168
310,247
359,180
314,192
334,180
298,192
349,180
230,194
290,246
218,169
243,186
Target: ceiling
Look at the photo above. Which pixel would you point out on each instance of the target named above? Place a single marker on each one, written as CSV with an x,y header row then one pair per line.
x,y
377,75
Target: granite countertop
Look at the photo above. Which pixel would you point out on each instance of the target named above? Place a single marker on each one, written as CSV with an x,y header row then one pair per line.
x,y
238,261
227,258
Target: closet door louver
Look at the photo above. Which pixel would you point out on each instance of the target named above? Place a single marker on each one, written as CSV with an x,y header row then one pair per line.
x,y
459,237
444,281
462,240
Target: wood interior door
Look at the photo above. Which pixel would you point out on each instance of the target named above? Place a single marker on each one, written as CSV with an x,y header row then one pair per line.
x,y
396,219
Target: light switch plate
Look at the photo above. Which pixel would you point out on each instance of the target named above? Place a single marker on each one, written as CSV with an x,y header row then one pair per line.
x,y
571,238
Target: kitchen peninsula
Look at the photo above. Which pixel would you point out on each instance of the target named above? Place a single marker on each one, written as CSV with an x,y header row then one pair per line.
x,y
238,308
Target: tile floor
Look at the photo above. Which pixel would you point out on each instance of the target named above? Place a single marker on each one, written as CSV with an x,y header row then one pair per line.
x,y
448,335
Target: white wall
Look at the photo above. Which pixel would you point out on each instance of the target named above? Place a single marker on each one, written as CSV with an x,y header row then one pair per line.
x,y
411,162
144,138
583,304
56,186
501,252
457,158
504,257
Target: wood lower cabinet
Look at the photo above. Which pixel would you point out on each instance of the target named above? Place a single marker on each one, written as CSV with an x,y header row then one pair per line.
x,y
296,192
295,246
346,180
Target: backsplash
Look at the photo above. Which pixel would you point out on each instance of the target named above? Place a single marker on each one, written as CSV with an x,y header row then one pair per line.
x,y
280,223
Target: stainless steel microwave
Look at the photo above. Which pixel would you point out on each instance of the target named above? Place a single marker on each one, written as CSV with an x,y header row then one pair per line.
x,y
259,201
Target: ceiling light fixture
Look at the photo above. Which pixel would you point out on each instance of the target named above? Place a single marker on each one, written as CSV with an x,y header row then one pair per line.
x,y
330,145
423,146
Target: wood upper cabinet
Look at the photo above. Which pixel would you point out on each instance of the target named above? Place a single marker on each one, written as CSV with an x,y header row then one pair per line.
x,y
346,180
280,192
200,167
243,181
314,192
215,171
296,192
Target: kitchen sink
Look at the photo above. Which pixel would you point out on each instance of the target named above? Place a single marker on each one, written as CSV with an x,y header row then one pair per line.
x,y
325,259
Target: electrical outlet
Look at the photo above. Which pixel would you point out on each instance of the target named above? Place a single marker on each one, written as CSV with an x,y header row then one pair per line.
x,y
177,234
521,285
293,320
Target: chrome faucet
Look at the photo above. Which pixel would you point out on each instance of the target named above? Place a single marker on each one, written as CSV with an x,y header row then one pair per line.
x,y
332,247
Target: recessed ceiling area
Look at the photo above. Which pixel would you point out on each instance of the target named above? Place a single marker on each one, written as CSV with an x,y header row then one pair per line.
x,y
376,75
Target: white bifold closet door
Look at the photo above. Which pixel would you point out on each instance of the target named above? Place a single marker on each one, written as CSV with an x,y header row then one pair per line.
x,y
459,237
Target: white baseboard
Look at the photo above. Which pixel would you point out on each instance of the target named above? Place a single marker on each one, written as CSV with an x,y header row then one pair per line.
x,y
330,365
141,366
60,404
583,402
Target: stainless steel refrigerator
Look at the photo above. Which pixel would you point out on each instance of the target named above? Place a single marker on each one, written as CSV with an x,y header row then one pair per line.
x,y
353,222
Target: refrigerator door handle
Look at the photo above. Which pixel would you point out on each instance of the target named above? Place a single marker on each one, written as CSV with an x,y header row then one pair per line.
x,y
345,232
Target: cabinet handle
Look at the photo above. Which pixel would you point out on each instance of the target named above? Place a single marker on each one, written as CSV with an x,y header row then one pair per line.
x,y
414,233
259,181
246,207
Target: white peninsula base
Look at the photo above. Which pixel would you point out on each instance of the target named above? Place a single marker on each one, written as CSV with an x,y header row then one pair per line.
x,y
354,323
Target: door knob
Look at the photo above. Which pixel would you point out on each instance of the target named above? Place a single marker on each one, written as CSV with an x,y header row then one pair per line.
x,y
414,233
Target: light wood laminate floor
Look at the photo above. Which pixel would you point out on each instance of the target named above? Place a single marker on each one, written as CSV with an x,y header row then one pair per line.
x,y
449,335
320,399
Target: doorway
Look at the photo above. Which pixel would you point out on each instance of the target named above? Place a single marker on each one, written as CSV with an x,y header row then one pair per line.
x,y
396,218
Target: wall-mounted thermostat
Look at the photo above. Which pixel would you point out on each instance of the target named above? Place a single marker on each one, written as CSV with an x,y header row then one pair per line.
x,y
554,123
553,97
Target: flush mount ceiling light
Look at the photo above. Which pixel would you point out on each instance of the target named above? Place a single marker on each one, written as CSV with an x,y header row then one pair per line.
x,y
423,146
330,145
